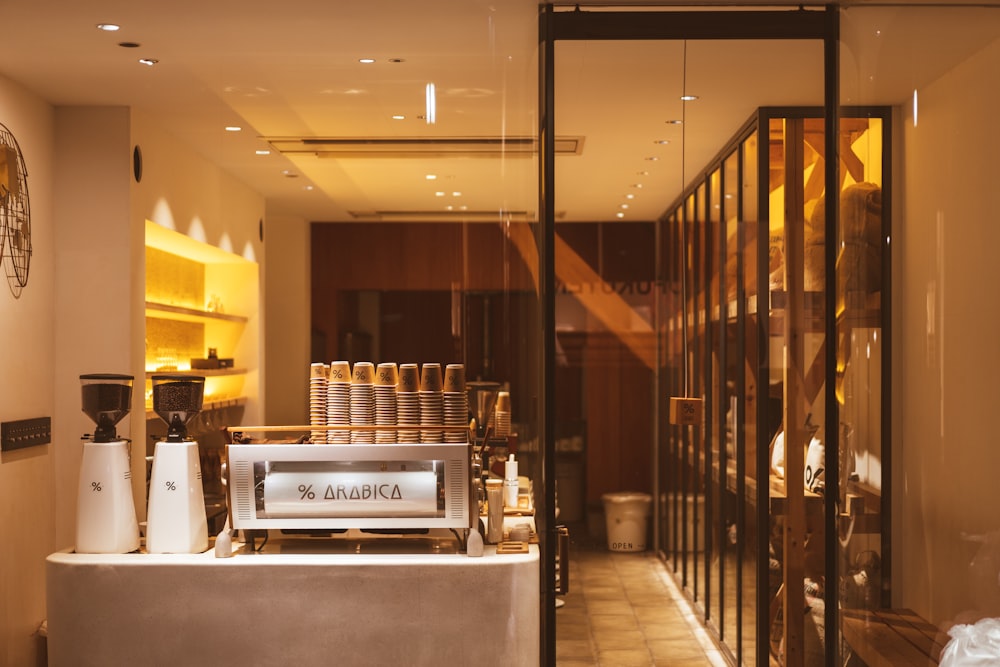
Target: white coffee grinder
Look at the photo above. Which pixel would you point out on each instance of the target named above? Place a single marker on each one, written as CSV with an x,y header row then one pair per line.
x,y
175,521
105,512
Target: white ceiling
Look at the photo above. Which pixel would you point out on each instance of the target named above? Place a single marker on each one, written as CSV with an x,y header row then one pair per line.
x,y
292,70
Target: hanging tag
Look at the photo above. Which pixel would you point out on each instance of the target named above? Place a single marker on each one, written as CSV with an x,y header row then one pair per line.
x,y
685,411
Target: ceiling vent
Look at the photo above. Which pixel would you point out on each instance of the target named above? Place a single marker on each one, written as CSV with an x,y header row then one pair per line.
x,y
422,147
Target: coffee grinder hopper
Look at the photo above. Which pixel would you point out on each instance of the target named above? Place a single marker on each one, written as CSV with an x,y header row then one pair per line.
x,y
177,399
107,399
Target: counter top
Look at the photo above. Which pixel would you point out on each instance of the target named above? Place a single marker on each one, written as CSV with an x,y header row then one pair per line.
x,y
412,601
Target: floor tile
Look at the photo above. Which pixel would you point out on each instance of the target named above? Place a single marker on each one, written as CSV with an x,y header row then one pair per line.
x,y
620,612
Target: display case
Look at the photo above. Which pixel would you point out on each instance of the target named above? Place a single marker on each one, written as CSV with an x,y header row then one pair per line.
x,y
777,502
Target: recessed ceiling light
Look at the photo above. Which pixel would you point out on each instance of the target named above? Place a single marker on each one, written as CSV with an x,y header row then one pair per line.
x,y
638,186
630,196
619,215
430,177
689,98
108,27
673,122
399,117
233,128
307,187
430,104
652,158
662,142
642,173
449,208
623,206
366,61
148,62
439,194
262,152
456,194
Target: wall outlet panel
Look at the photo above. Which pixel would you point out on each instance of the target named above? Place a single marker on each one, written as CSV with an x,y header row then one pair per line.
x,y
25,433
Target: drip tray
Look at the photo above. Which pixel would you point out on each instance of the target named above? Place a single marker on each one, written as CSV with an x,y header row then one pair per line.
x,y
357,542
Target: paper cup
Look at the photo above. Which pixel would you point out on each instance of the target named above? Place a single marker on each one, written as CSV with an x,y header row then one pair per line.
x,y
364,373
430,377
409,378
454,378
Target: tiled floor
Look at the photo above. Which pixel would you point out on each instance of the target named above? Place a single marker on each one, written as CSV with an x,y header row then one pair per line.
x,y
624,610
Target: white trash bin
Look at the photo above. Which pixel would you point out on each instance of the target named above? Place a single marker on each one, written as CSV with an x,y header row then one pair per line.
x,y
626,514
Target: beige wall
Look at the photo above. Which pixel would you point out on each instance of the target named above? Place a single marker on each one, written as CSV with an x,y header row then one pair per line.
x,y
27,480
946,325
286,300
93,327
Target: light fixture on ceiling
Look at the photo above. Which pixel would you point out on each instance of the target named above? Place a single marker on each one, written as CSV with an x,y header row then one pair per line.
x,y
233,128
456,194
662,142
399,116
260,151
424,147
108,27
366,61
688,98
431,177
439,194
619,215
148,62
430,102
673,122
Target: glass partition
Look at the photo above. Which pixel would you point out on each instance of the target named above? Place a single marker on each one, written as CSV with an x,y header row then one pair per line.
x,y
917,545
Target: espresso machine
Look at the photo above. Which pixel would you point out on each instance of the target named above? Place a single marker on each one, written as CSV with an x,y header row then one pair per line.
x,y
176,521
105,512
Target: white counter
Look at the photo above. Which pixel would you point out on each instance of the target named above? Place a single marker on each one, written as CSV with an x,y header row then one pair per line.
x,y
303,603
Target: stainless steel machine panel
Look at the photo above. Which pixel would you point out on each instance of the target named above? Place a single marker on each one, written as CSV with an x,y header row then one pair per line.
x,y
313,486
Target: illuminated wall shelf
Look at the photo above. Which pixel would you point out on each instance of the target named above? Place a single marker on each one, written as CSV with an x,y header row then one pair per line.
x,y
200,372
200,298
182,312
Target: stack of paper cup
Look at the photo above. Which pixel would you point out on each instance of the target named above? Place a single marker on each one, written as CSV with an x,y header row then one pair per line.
x,y
317,399
338,402
386,379
363,402
431,403
408,404
502,414
456,403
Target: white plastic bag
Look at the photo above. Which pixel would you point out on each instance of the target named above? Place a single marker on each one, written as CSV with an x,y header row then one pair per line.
x,y
975,645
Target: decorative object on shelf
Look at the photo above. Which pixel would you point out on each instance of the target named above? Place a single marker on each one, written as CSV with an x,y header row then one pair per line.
x,y
15,213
